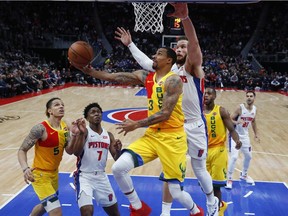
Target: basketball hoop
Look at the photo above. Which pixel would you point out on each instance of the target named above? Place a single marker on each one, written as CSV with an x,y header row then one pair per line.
x,y
149,16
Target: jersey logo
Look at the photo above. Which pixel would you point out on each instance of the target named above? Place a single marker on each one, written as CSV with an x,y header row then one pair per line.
x,y
200,152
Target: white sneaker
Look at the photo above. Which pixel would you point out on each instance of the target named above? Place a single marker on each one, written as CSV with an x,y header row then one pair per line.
x,y
229,184
248,179
212,210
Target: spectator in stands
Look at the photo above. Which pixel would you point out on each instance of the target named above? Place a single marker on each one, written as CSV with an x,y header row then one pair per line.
x,y
275,84
5,88
234,80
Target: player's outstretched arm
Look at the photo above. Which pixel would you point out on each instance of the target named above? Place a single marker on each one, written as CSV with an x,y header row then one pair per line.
x,y
125,37
194,59
134,78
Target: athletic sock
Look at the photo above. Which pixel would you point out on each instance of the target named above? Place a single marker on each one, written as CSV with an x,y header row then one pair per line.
x,y
166,208
134,200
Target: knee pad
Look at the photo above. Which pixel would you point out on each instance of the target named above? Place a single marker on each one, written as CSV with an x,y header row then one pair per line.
x,y
123,165
175,190
51,203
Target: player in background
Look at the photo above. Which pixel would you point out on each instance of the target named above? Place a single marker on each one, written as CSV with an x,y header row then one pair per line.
x,y
218,121
189,67
90,177
243,117
50,138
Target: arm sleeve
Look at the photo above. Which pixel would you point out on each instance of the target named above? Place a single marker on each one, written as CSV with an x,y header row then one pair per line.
x,y
143,60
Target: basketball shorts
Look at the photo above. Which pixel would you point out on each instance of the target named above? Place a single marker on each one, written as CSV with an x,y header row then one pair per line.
x,y
171,148
196,139
216,163
95,185
46,188
246,146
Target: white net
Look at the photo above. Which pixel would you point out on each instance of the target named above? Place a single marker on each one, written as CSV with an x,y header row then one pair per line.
x,y
149,16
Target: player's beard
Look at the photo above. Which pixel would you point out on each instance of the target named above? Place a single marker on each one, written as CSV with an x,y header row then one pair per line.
x,y
181,61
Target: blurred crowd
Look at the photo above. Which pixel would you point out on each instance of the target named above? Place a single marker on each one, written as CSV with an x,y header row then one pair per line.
x,y
24,26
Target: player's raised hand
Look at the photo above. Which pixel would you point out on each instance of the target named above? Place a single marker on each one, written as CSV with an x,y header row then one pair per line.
x,y
124,36
78,126
181,10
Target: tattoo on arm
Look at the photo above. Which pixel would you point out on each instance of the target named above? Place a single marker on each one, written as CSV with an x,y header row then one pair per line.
x,y
173,88
35,133
153,119
131,78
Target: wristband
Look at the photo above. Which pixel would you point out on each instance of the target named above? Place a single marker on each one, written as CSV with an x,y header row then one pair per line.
x,y
25,169
184,18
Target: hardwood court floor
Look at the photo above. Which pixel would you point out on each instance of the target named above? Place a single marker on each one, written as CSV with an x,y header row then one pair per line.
x,y
270,157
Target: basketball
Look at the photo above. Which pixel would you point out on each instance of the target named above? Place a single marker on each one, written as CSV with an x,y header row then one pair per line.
x,y
80,53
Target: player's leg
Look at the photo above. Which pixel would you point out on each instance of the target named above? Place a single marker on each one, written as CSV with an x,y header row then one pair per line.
x,y
38,210
217,167
85,204
233,156
247,159
133,157
197,149
104,194
247,153
172,155
46,188
112,210
84,182
167,200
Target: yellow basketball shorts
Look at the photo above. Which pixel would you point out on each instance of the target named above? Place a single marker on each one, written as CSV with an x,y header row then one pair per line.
x,y
169,146
216,164
45,184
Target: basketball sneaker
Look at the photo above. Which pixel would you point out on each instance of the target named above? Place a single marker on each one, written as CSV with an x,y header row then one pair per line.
x,y
212,210
223,208
229,184
201,213
145,210
248,179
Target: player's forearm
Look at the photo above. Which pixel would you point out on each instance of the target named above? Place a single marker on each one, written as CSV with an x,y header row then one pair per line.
x,y
22,158
235,136
254,127
76,144
190,31
143,60
102,75
154,119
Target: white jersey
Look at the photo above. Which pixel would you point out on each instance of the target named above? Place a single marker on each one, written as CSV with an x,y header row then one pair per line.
x,y
247,117
193,92
95,152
